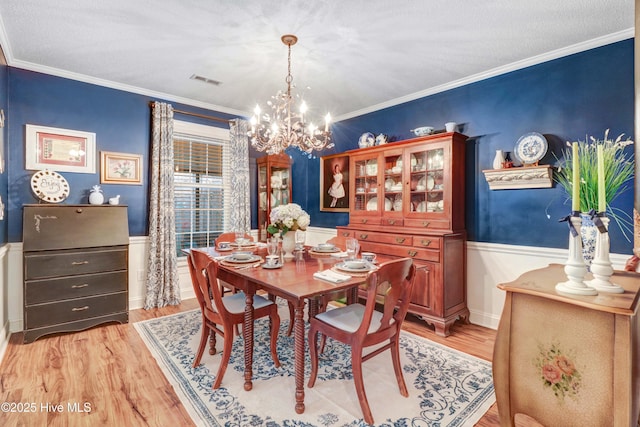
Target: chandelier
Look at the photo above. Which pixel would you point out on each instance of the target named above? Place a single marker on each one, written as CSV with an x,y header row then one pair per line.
x,y
285,126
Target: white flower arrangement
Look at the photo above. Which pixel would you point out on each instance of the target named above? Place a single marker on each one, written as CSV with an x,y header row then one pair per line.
x,y
288,217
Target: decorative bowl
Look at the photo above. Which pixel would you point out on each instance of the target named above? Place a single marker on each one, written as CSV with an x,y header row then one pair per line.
x,y
423,130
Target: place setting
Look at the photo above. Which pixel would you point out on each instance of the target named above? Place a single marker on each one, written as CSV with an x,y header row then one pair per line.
x,y
241,260
324,249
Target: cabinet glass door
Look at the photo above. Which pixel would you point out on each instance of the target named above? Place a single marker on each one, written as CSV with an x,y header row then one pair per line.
x,y
427,183
365,186
392,186
274,188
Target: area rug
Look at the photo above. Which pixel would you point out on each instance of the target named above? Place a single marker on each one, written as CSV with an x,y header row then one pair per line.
x,y
446,387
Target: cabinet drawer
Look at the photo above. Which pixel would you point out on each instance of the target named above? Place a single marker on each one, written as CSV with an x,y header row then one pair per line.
x,y
433,224
377,237
39,315
68,263
402,251
40,291
394,222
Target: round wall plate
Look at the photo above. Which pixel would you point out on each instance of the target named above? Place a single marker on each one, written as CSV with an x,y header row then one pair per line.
x,y
49,186
530,148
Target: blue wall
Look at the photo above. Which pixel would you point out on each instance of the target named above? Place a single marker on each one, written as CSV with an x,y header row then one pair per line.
x,y
564,99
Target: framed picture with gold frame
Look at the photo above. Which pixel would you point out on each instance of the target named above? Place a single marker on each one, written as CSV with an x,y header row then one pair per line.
x,y
334,183
120,168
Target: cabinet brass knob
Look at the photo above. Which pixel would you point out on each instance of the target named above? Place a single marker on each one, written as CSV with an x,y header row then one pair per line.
x,y
86,307
79,210
84,285
345,233
425,242
79,262
391,221
413,253
400,239
425,223
364,236
364,221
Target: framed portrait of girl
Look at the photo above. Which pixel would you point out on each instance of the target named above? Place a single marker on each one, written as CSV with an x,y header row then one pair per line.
x,y
334,183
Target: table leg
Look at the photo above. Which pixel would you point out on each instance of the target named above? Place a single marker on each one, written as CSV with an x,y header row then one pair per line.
x,y
247,333
299,356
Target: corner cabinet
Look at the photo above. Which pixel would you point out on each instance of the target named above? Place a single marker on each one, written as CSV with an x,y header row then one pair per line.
x,y
274,188
407,200
75,265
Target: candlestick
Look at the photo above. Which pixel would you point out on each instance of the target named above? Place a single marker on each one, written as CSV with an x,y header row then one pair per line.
x,y
601,264
575,267
602,198
575,197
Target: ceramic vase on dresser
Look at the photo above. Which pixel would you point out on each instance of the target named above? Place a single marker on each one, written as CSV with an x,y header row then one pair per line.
x,y
498,160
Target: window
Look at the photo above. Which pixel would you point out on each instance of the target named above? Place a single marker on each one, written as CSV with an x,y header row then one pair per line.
x,y
201,180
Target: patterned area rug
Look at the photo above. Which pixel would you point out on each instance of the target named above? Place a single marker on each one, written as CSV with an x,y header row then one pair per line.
x,y
446,387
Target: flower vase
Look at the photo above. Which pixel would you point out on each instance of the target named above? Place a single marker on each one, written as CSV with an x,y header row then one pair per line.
x,y
498,160
288,244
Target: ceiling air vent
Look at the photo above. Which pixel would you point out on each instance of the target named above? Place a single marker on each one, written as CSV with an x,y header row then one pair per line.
x,y
206,80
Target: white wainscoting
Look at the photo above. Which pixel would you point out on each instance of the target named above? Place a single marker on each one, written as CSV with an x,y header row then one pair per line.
x,y
488,264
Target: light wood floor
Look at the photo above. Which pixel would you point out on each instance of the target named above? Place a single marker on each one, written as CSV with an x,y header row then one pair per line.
x,y
110,369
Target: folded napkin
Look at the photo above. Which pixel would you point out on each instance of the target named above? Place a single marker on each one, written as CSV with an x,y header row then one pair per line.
x,y
331,276
339,254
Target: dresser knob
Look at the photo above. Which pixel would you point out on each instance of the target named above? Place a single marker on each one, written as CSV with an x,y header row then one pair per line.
x,y
400,239
86,307
425,242
392,221
364,236
79,210
84,285
425,223
413,253
79,262
364,221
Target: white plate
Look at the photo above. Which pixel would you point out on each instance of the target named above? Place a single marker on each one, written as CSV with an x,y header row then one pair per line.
x,y
422,207
530,148
389,183
372,205
397,204
343,267
372,168
233,259
430,182
224,249
325,250
49,186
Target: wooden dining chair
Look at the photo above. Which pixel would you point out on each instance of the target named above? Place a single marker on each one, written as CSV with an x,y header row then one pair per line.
x,y
362,326
220,314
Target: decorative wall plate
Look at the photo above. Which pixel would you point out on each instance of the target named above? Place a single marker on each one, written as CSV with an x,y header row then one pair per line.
x,y
49,186
530,148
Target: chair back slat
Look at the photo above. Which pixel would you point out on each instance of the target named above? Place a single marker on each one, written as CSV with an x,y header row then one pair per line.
x,y
230,237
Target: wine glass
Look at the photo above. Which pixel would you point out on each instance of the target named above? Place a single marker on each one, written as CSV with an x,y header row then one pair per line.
x,y
300,239
272,246
352,248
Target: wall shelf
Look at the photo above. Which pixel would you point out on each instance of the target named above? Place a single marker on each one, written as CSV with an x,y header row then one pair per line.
x,y
519,177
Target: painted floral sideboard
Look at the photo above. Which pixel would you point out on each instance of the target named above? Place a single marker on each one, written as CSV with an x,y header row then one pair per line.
x,y
568,360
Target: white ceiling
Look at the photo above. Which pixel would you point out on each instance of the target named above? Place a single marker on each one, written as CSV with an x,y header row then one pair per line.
x,y
356,55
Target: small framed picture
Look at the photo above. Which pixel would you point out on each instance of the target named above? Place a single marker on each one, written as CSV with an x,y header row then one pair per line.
x,y
120,168
62,150
334,183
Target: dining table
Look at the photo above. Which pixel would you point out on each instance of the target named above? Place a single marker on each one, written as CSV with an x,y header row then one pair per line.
x,y
294,281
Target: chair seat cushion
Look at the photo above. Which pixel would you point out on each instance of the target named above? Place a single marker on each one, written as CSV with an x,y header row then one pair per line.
x,y
349,318
235,303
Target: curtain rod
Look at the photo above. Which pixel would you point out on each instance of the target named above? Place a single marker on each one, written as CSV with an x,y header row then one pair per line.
x,y
202,116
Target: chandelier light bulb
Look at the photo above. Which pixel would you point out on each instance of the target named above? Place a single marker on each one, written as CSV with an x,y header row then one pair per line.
x,y
284,127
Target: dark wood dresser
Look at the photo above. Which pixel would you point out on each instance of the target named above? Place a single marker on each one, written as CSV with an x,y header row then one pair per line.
x,y
76,261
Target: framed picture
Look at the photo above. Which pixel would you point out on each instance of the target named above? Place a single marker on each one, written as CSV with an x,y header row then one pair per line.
x,y
120,168
334,183
61,150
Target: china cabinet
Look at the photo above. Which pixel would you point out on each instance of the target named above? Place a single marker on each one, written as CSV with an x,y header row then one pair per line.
x,y
75,265
274,188
407,199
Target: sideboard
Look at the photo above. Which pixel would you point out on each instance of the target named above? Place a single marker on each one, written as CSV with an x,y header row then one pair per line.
x,y
76,261
568,359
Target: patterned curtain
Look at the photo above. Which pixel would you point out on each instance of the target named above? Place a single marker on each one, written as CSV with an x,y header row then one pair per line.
x,y
163,287
240,218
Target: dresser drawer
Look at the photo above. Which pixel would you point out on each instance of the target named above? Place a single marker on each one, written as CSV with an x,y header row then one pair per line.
x,y
428,224
377,237
72,262
402,251
46,290
39,315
